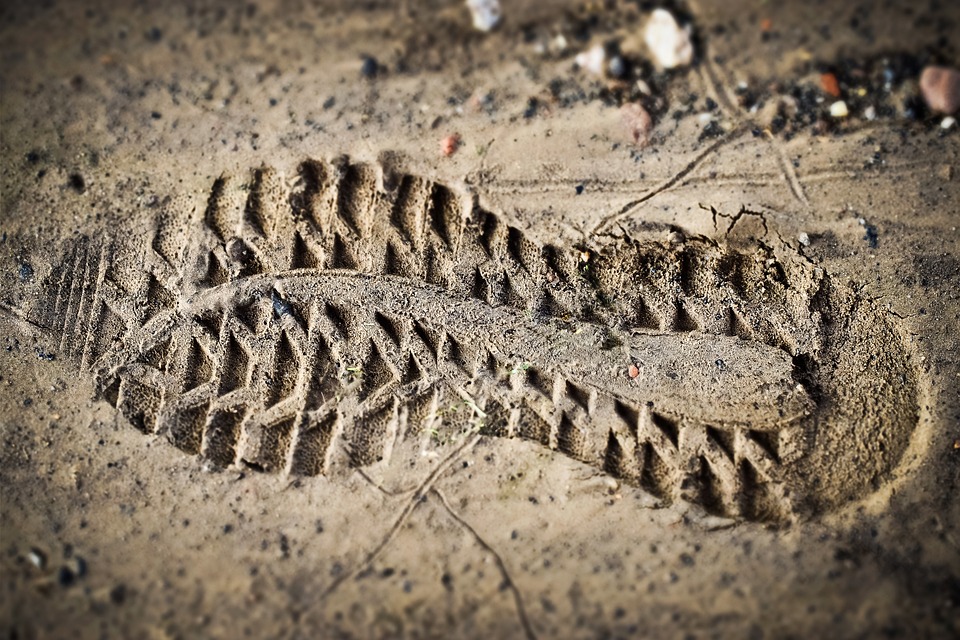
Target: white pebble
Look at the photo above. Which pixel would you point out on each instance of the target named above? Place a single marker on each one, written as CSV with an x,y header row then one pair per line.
x,y
948,122
839,109
870,113
592,60
559,44
486,13
804,239
37,558
668,42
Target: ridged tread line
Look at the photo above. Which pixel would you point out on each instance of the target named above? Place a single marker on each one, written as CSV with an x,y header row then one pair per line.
x,y
432,235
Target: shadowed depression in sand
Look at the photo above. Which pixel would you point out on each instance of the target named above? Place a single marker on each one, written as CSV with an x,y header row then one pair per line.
x,y
350,320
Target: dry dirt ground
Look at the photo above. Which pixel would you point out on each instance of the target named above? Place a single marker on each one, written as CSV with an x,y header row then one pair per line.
x,y
275,366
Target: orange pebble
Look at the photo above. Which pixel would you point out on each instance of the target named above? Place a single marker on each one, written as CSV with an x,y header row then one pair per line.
x,y
829,83
766,24
633,371
450,144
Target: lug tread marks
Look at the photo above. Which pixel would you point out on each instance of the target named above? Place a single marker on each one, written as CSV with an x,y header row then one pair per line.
x,y
205,348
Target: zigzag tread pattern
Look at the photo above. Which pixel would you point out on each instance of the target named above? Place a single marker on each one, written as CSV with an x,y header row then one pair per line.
x,y
334,322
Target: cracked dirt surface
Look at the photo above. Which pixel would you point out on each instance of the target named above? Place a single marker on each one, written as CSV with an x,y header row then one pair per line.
x,y
275,365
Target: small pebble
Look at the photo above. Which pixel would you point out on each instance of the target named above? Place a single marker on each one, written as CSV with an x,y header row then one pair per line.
x,y
485,13
668,42
633,371
617,68
559,44
870,113
37,558
829,83
592,60
281,307
948,122
940,88
804,239
839,109
675,237
450,144
370,67
638,123
532,106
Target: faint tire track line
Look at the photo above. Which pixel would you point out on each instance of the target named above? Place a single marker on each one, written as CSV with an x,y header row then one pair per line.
x,y
408,508
698,160
517,597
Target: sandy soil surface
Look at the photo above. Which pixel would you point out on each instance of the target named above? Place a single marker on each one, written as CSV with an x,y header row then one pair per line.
x,y
343,319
